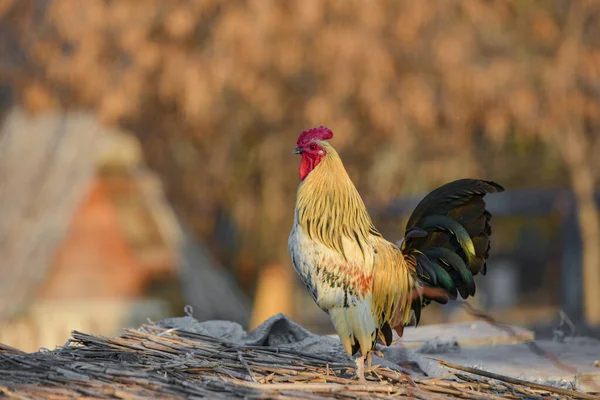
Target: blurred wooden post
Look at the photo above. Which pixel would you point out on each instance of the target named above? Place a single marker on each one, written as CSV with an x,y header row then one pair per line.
x,y
274,292
583,186
569,134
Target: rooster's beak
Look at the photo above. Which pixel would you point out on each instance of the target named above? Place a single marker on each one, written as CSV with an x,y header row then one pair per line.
x,y
297,150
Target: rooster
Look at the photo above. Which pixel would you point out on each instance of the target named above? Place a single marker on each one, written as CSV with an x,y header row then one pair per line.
x,y
368,285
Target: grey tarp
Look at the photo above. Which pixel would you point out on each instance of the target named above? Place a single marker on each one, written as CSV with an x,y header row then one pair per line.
x,y
280,331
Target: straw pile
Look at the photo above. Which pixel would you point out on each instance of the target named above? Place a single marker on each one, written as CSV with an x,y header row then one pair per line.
x,y
153,361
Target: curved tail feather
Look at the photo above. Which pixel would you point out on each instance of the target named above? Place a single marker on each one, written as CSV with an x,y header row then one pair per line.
x,y
456,245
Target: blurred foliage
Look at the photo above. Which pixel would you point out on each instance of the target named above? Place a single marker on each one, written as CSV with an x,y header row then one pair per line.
x,y
416,92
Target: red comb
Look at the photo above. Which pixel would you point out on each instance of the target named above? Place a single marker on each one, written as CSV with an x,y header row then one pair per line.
x,y
320,133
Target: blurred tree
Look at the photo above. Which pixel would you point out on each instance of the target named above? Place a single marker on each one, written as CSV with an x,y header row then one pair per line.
x,y
417,93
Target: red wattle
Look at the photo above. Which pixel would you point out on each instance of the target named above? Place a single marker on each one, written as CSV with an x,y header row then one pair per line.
x,y
307,164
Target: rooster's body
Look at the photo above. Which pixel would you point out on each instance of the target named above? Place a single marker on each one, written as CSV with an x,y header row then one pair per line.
x,y
368,285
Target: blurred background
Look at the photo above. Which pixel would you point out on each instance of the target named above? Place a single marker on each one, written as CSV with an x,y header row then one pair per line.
x,y
145,151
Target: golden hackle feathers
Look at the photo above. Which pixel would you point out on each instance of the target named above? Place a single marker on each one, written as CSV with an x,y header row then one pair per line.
x,y
393,285
330,208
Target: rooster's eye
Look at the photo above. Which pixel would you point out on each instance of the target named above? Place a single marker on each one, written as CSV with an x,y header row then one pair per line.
x,y
313,147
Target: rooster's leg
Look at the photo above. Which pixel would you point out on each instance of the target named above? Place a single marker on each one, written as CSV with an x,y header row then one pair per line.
x,y
370,359
360,368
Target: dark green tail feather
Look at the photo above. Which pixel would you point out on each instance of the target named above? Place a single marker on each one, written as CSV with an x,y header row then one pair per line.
x,y
445,281
426,268
446,223
449,258
458,238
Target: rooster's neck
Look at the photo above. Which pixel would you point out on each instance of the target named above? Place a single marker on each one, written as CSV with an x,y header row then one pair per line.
x,y
328,206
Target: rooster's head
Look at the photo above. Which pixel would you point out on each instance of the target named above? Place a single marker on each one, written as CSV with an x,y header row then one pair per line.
x,y
310,146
